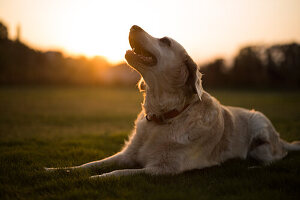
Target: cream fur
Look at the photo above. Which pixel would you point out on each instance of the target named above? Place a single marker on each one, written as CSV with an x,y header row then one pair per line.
x,y
205,134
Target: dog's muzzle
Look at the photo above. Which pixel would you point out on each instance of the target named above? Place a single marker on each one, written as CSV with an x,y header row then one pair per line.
x,y
139,54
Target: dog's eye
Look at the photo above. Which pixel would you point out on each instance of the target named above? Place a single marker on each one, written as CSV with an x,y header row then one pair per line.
x,y
166,41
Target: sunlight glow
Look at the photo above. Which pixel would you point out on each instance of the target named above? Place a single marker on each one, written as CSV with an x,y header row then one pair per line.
x,y
205,28
92,33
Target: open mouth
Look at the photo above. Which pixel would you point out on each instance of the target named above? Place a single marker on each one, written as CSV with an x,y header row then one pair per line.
x,y
139,54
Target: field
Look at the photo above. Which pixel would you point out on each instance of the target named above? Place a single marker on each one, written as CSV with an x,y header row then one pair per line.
x,y
64,126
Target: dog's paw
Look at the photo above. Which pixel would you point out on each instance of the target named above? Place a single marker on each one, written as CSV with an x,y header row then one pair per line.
x,y
97,176
102,175
94,177
50,169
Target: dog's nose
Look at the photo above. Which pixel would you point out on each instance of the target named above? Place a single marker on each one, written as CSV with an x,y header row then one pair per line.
x,y
136,28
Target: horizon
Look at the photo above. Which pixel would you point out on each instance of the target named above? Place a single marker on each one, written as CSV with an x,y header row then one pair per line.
x,y
206,29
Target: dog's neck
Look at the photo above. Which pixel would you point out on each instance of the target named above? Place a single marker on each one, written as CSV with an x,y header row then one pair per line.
x,y
158,103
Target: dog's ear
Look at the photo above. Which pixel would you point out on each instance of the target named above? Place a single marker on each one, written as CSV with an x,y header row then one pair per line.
x,y
194,81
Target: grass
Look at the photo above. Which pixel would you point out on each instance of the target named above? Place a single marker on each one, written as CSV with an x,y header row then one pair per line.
x,y
63,126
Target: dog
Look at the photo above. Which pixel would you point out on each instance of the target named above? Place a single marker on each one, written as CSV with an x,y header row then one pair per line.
x,y
182,127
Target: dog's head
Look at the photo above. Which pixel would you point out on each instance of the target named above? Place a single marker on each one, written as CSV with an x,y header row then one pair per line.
x,y
163,63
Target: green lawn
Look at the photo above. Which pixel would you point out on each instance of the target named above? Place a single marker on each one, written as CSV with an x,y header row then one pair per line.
x,y
64,126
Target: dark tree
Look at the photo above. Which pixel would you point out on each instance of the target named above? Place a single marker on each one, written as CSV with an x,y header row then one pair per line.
x,y
214,74
283,64
248,68
3,32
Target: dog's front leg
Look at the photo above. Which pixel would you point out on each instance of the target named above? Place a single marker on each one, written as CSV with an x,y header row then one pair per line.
x,y
118,159
121,172
126,172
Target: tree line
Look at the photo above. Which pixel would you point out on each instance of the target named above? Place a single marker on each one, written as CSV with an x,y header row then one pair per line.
x,y
276,66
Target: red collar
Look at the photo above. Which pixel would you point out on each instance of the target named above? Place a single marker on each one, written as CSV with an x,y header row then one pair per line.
x,y
160,119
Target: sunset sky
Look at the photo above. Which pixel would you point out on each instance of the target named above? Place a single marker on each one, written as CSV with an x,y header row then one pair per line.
x,y
206,29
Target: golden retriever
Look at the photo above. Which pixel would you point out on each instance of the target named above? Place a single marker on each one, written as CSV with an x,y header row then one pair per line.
x,y
181,127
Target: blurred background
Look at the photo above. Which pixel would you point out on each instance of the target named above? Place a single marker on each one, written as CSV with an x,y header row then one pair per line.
x,y
67,96
253,44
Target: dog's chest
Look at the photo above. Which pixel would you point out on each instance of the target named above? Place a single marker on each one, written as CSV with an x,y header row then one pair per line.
x,y
160,143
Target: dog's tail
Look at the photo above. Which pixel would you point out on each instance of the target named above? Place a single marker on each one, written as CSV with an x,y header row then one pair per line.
x,y
293,146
